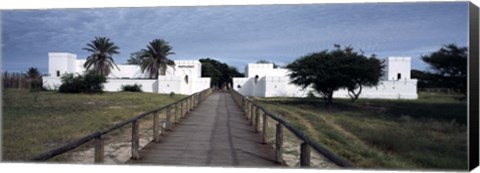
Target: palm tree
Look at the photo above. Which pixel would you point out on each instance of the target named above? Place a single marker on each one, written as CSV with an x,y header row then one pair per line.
x,y
135,58
155,58
101,60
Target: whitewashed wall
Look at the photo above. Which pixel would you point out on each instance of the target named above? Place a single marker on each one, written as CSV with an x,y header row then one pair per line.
x,y
258,69
396,65
61,62
148,85
277,86
199,84
168,84
128,72
242,85
51,83
393,89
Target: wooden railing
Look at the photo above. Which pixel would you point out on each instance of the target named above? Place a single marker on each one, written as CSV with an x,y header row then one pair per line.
x,y
180,108
256,114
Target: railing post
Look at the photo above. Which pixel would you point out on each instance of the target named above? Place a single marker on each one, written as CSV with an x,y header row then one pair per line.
x,y
247,112
99,150
135,141
175,108
155,127
168,121
304,155
264,128
257,119
181,109
163,127
192,102
243,104
279,143
252,114
187,106
196,101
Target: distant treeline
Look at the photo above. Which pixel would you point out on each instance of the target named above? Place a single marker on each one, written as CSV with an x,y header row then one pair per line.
x,y
20,80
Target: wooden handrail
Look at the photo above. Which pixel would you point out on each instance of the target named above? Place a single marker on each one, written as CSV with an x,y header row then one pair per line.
x,y
65,148
98,135
249,107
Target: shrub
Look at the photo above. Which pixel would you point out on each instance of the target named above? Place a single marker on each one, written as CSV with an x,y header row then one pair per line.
x,y
172,94
90,82
132,88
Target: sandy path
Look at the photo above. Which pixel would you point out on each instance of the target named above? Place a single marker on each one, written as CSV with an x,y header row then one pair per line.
x,y
118,148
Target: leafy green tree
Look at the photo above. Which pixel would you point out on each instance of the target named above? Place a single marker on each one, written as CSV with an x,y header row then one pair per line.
x,y
317,70
361,71
328,71
90,82
135,58
221,74
101,57
155,58
425,79
449,65
209,71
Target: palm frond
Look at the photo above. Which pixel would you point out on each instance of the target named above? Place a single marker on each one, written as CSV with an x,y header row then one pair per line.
x,y
101,60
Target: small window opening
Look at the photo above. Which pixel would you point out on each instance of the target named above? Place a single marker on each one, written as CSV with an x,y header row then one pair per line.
x,y
399,76
186,79
58,73
256,79
238,86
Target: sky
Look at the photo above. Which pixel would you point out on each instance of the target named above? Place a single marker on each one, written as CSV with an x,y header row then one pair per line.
x,y
236,35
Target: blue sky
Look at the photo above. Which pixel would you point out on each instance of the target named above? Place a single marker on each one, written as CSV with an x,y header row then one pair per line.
x,y
237,35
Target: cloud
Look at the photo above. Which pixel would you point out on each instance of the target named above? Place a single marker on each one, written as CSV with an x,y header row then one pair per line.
x,y
236,34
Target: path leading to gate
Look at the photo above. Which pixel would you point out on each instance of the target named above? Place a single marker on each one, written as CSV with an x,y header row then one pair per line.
x,y
216,133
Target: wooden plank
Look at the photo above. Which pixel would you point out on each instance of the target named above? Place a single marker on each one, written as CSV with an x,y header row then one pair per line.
x,y
211,137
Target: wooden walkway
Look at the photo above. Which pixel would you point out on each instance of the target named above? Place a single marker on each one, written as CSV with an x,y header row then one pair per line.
x,y
216,133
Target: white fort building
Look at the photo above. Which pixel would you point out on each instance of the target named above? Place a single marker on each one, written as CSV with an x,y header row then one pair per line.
x,y
185,78
262,80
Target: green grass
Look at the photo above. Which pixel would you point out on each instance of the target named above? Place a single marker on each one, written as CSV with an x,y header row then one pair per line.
x,y
35,122
428,133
